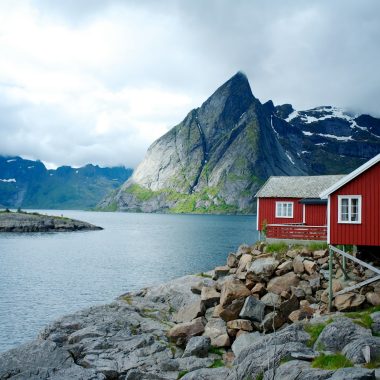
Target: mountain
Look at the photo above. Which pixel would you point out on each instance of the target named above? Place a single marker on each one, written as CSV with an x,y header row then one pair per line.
x,y
222,152
28,184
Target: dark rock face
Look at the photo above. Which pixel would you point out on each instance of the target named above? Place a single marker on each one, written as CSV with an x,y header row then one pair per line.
x,y
222,152
24,222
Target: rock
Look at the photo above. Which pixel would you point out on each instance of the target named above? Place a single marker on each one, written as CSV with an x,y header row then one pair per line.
x,y
357,350
190,312
298,266
244,262
310,266
282,283
232,311
320,254
288,306
253,309
243,341
259,288
376,322
336,335
353,374
240,324
271,300
264,267
221,271
314,281
87,332
209,296
373,298
348,301
197,346
231,290
298,292
284,267
181,333
300,314
243,249
292,253
207,374
232,260
216,330
272,321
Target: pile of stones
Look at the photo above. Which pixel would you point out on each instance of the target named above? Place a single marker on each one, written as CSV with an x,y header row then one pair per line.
x,y
259,291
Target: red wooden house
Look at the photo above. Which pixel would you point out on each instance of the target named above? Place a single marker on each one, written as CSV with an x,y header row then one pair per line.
x,y
354,207
291,208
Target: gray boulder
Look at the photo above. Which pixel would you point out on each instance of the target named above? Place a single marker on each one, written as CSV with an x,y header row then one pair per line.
x,y
253,309
354,374
243,341
339,333
264,267
376,322
357,350
197,346
207,374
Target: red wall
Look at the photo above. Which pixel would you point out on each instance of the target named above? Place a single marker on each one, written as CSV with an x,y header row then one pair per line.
x,y
368,232
316,215
267,211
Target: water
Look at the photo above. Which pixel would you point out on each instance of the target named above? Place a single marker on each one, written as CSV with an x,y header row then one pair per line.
x,y
44,276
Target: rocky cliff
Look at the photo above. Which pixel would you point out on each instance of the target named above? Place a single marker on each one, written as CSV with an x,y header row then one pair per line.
x,y
221,153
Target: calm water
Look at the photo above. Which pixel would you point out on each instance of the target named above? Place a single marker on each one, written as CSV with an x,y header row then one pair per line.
x,y
44,276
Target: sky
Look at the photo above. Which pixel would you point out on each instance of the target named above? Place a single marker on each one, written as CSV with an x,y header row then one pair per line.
x,y
95,81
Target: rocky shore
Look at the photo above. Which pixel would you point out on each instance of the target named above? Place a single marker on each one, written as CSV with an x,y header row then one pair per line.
x,y
34,222
262,316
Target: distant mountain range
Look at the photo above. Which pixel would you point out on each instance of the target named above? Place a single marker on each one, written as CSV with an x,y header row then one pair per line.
x,y
221,153
28,184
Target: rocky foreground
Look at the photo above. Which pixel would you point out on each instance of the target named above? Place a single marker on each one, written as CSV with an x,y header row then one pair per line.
x,y
34,222
262,316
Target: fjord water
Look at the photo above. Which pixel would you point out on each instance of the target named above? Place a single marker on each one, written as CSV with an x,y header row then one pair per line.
x,y
44,276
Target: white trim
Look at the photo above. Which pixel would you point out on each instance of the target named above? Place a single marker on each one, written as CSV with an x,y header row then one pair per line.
x,y
257,214
287,203
304,214
328,219
349,197
350,177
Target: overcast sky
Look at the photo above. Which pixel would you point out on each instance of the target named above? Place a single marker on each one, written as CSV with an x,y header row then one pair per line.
x,y
95,81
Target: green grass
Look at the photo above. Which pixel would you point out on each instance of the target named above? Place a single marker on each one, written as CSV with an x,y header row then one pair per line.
x,y
128,299
260,376
140,192
182,374
280,247
314,246
205,275
363,317
314,331
215,350
373,364
217,363
331,362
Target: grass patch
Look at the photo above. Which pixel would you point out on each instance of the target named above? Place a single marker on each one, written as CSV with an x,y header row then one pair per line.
x,y
314,331
280,247
141,193
205,275
260,376
215,350
331,362
217,363
363,318
182,374
128,299
373,364
314,246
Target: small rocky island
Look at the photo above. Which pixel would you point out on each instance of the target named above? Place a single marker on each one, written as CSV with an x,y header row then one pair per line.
x,y
35,222
263,316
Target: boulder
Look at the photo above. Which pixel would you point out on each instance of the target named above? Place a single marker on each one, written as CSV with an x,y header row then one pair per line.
x,y
209,296
305,312
207,374
243,249
376,322
221,271
232,290
336,335
259,288
310,266
314,281
232,260
363,350
264,267
284,267
373,298
253,309
348,301
240,324
216,330
189,312
244,262
271,300
272,321
197,346
288,307
353,374
243,341
298,266
320,254
282,283
232,311
180,334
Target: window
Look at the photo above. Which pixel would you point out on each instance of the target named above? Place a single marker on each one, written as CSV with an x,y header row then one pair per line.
x,y
349,208
284,209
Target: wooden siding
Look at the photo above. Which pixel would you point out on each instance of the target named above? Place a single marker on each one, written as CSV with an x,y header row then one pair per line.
x,y
316,215
368,231
299,232
267,211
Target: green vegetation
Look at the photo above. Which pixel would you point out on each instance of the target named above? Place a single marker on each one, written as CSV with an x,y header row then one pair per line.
x,y
363,317
110,208
182,374
127,298
215,350
280,247
205,275
217,363
314,331
373,364
331,362
260,376
141,193
315,246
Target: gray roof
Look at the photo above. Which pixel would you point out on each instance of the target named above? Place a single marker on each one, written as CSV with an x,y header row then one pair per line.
x,y
297,187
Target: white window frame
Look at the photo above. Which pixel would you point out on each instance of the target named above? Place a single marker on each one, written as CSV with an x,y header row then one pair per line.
x,y
287,204
349,197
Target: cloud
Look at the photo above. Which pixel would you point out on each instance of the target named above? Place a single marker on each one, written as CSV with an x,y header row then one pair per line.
x,y
95,81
